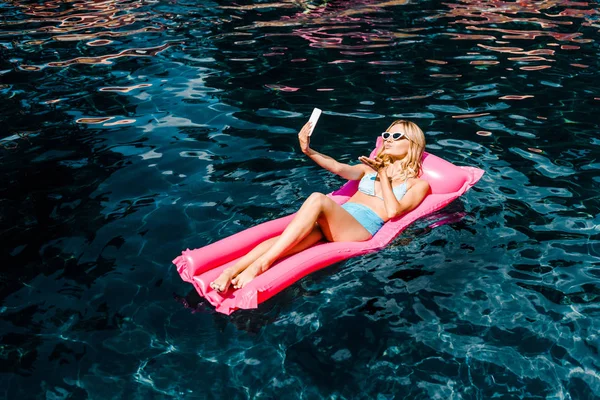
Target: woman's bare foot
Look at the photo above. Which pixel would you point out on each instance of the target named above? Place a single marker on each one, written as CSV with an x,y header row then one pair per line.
x,y
256,268
221,284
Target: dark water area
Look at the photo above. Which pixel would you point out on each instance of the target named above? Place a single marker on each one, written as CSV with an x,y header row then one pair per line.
x,y
131,130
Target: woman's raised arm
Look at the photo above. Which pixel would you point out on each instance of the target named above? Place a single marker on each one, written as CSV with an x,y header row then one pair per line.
x,y
349,172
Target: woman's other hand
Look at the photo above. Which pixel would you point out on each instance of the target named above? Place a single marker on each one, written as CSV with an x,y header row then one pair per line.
x,y
304,139
375,164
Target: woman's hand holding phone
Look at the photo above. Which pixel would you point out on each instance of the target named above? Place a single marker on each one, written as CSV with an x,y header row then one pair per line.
x,y
304,138
307,130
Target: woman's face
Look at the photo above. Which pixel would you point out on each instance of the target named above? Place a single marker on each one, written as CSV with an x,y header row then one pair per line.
x,y
396,148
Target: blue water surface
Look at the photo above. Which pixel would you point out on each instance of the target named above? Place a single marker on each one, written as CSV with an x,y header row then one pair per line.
x,y
131,130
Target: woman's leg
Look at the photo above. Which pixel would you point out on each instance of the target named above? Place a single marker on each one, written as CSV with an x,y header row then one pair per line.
x,y
335,223
221,284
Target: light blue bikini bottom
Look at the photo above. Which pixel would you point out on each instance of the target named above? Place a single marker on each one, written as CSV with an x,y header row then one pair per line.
x,y
365,216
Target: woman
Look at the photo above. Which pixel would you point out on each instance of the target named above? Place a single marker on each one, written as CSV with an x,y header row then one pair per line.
x,y
389,186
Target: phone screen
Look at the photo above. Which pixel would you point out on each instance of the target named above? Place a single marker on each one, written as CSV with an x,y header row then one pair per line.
x,y
314,117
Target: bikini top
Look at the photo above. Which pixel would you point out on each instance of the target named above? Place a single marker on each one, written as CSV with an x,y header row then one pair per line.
x,y
367,186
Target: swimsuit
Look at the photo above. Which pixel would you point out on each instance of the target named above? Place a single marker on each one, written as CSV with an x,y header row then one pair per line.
x,y
367,186
368,218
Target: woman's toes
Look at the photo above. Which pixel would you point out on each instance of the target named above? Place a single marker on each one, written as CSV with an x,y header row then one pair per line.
x,y
238,283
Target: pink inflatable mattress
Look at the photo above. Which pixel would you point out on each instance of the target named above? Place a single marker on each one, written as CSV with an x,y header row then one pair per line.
x,y
203,265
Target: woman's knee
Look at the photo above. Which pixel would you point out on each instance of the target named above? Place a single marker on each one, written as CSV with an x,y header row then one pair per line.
x,y
317,199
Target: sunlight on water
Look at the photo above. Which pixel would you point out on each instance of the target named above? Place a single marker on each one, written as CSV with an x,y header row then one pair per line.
x,y
135,129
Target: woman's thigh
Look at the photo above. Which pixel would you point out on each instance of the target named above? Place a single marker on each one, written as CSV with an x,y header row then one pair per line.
x,y
337,224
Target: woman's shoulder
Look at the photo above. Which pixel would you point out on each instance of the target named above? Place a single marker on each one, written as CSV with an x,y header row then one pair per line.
x,y
365,169
412,182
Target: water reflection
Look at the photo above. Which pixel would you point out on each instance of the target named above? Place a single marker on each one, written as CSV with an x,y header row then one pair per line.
x,y
135,129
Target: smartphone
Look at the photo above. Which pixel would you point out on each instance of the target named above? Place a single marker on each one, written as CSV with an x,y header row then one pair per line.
x,y
314,117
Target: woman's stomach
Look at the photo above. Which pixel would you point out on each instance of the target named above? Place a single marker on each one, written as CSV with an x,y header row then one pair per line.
x,y
374,203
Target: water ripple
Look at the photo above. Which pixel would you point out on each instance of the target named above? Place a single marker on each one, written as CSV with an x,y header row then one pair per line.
x,y
135,129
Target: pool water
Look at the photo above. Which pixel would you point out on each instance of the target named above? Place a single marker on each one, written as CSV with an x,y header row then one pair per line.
x,y
131,130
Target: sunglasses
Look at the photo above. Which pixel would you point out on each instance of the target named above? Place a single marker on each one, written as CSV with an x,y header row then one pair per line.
x,y
395,136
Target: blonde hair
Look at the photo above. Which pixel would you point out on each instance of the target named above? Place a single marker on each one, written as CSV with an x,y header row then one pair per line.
x,y
411,164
